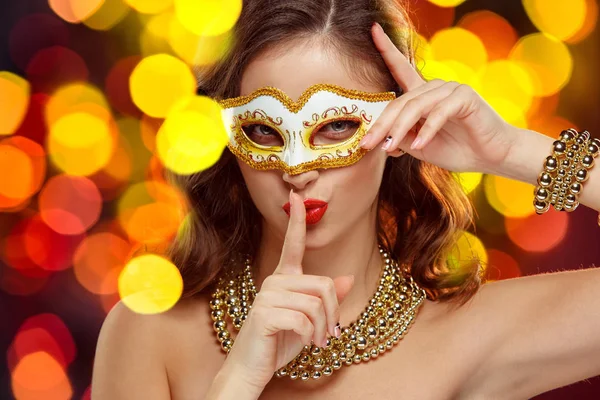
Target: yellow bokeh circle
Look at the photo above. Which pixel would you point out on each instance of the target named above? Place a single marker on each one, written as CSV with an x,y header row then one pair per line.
x,y
508,80
80,144
150,212
461,45
192,137
467,249
509,197
149,6
108,15
208,17
468,180
433,69
559,18
197,50
153,38
158,82
547,60
150,284
14,98
509,111
463,73
77,97
447,3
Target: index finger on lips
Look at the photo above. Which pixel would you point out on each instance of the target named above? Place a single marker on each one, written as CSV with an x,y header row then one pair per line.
x,y
295,238
402,71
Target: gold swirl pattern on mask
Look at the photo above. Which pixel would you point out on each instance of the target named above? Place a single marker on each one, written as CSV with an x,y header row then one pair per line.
x,y
295,106
325,160
337,111
258,116
262,115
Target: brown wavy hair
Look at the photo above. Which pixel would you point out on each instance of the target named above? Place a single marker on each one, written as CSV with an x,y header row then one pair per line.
x,y
422,209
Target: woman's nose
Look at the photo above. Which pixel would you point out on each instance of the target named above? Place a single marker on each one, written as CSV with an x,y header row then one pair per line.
x,y
300,181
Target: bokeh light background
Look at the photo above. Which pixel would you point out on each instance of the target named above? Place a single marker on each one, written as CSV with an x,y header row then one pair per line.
x,y
97,100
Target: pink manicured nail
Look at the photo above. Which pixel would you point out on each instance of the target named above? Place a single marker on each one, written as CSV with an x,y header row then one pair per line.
x,y
387,143
416,143
338,331
365,139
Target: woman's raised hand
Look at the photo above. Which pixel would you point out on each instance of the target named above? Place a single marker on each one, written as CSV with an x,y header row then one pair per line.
x,y
290,310
444,123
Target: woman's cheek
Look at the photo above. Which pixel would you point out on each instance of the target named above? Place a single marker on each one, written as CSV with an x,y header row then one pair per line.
x,y
365,177
262,185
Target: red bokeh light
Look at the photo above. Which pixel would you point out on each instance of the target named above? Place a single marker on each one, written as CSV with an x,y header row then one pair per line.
x,y
117,86
53,67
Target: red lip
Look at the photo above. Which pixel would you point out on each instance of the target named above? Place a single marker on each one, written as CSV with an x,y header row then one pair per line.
x,y
314,210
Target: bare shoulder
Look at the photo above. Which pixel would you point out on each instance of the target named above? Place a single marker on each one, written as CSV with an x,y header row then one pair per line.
x,y
513,322
463,337
173,350
193,355
480,328
128,353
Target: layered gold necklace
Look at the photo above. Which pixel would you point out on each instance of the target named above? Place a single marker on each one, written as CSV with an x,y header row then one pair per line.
x,y
382,324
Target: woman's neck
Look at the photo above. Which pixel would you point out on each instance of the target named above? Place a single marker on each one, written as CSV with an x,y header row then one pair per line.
x,y
355,253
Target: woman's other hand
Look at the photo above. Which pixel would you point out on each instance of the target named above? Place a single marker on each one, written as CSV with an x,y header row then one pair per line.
x,y
444,123
290,310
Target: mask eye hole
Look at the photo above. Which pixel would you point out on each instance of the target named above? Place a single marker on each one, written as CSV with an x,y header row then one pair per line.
x,y
263,135
334,132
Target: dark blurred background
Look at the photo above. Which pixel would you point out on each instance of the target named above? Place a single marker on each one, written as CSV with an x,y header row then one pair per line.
x,y
69,225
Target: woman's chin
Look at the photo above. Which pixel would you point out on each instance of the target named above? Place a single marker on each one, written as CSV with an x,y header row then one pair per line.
x,y
317,236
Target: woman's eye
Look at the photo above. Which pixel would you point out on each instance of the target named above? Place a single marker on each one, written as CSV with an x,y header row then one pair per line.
x,y
263,134
335,132
339,126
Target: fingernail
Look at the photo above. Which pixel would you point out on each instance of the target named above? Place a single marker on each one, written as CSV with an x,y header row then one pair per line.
x,y
387,144
366,139
337,330
416,142
324,344
378,26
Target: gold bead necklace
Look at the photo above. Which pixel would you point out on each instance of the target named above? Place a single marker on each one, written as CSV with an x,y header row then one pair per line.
x,y
382,324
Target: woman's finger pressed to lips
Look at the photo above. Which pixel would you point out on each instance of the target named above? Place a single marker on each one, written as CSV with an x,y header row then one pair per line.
x,y
295,238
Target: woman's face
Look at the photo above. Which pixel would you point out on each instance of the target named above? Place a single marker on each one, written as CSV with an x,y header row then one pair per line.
x,y
349,191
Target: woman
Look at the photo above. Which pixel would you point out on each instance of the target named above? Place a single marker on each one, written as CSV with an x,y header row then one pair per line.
x,y
310,202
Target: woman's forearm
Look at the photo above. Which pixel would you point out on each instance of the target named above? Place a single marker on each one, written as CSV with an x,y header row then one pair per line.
x,y
231,383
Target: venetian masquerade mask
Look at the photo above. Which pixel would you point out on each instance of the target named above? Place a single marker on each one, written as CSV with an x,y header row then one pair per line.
x,y
323,129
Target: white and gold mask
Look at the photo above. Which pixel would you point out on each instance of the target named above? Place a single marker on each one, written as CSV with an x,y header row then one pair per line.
x,y
268,130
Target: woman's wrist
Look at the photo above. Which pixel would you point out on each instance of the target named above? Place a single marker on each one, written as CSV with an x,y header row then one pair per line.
x,y
527,155
233,382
